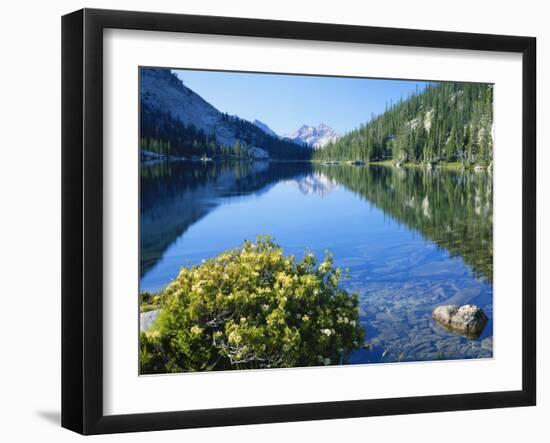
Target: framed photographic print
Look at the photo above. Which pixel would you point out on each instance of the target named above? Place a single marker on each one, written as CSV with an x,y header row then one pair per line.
x,y
270,221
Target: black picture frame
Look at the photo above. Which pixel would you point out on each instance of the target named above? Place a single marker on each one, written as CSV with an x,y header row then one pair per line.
x,y
82,218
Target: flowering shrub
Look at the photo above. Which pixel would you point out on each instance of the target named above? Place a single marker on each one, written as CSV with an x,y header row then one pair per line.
x,y
252,308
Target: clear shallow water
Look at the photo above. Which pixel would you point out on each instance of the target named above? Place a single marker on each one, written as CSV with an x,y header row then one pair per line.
x,y
412,239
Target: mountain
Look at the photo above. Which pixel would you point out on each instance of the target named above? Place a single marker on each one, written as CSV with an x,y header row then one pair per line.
x,y
316,137
162,90
446,122
265,128
175,120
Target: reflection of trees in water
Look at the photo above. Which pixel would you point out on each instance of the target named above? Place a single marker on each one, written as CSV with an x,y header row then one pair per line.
x,y
453,209
174,195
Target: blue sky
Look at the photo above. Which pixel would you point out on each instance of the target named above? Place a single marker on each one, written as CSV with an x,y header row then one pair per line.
x,y
285,102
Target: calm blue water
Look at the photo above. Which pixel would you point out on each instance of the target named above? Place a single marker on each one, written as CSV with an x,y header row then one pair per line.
x,y
411,239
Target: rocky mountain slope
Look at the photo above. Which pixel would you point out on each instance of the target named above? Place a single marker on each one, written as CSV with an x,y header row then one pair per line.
x,y
160,89
265,128
177,121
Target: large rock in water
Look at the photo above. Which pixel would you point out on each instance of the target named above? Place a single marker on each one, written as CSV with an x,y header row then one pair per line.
x,y
467,320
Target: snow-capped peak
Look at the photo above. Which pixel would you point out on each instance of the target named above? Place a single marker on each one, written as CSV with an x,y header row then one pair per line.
x,y
315,136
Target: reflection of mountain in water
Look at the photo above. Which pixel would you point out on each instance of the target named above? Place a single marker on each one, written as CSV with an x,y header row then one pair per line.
x,y
453,209
315,183
174,195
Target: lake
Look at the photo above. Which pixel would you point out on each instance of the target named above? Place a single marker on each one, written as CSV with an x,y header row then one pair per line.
x,y
412,238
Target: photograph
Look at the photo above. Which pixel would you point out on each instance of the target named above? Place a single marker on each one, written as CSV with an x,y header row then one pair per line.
x,y
290,220
241,222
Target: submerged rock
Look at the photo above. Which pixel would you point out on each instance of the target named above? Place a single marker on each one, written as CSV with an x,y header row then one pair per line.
x,y
466,320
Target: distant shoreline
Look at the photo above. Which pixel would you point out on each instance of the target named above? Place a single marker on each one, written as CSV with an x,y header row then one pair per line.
x,y
452,166
456,166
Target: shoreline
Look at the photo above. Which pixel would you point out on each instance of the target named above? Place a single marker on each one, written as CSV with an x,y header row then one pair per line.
x,y
450,166
455,166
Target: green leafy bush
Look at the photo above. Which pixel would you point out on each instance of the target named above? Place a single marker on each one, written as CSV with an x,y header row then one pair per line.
x,y
252,307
